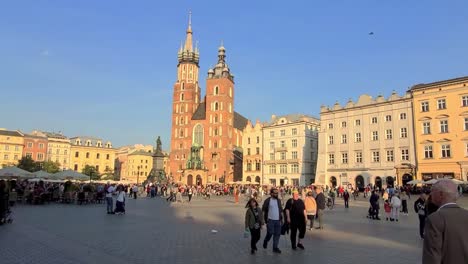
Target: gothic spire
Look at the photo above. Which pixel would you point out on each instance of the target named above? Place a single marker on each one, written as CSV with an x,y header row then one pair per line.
x,y
188,39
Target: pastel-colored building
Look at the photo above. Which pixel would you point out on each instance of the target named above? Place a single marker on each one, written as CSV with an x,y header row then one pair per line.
x,y
58,148
369,141
290,150
122,169
11,147
93,152
35,147
140,164
441,128
252,146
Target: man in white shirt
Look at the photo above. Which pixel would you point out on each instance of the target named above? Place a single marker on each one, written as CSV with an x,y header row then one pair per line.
x,y
272,212
110,202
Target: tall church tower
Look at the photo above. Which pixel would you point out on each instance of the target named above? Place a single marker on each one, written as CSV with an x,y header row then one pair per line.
x,y
186,99
220,118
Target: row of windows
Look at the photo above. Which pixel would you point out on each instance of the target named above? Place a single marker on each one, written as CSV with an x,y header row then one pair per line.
x,y
257,151
7,157
293,144
249,166
374,136
443,126
141,161
283,132
31,144
57,151
89,144
442,104
39,156
283,168
7,147
358,158
283,155
445,151
98,155
258,140
374,120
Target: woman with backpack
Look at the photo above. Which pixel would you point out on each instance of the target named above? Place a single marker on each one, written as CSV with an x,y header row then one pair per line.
x,y
395,203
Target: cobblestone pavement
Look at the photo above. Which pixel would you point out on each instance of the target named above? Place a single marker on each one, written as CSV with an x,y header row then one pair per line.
x,y
154,231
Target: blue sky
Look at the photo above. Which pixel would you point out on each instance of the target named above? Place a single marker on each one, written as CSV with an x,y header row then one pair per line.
x,y
107,68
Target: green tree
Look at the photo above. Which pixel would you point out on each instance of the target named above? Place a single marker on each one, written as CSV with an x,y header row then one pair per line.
x,y
28,164
108,174
91,171
51,166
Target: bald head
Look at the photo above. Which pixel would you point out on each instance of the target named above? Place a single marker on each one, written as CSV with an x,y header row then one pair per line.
x,y
444,191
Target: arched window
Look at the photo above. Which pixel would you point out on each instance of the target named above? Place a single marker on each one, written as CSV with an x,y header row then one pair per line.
x,y
182,120
230,91
216,119
215,144
182,86
198,135
216,90
181,97
181,133
216,106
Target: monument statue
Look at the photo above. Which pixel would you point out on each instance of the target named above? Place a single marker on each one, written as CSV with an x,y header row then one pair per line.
x,y
158,145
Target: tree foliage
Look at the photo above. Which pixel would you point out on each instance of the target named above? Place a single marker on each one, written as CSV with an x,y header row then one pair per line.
x,y
28,164
91,171
51,166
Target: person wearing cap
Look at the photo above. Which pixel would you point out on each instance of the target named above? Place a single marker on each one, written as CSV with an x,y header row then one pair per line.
x,y
273,216
296,216
445,232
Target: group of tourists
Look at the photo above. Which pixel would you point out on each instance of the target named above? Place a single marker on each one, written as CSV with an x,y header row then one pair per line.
x,y
292,218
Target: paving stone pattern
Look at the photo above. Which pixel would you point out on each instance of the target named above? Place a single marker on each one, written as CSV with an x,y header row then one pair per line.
x,y
154,231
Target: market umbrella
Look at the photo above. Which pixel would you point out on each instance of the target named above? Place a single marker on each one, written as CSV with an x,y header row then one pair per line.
x,y
70,175
458,182
42,174
415,182
15,172
433,181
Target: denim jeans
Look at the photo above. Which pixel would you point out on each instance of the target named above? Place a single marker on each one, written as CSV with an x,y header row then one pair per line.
x,y
273,229
110,204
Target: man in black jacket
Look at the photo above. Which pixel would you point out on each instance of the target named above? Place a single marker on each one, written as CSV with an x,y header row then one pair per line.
x,y
272,212
420,209
320,199
374,202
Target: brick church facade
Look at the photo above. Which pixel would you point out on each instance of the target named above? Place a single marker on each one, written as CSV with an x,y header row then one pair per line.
x,y
206,133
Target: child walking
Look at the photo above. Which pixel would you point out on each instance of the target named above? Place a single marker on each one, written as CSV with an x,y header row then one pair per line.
x,y
388,209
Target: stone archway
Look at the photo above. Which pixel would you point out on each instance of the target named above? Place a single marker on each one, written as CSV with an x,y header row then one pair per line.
x,y
257,179
359,182
190,180
390,182
199,180
333,181
378,182
249,179
406,178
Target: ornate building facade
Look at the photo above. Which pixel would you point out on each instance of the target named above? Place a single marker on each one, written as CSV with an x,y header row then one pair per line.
x,y
93,152
367,141
206,133
290,150
441,128
11,147
252,146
